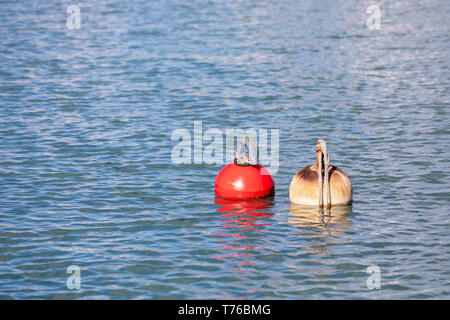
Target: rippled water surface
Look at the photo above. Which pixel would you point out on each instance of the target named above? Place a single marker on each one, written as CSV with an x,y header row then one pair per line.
x,y
86,174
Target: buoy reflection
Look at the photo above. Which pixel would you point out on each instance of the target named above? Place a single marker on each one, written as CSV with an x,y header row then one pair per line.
x,y
242,221
320,227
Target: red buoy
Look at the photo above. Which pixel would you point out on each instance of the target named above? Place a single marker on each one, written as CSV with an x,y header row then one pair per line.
x,y
244,181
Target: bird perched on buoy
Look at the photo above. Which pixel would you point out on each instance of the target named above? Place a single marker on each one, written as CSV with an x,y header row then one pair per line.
x,y
244,178
321,184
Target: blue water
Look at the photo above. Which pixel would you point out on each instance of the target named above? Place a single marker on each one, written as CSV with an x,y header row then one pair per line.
x,y
87,178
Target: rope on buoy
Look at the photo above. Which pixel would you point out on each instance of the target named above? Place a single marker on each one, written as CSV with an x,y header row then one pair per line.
x,y
326,159
320,183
